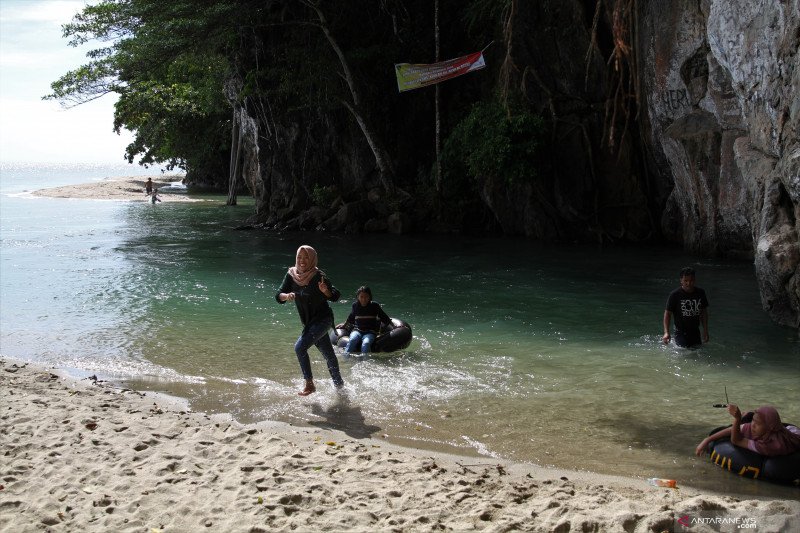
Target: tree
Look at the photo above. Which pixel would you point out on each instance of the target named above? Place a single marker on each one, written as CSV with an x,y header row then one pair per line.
x,y
354,105
166,62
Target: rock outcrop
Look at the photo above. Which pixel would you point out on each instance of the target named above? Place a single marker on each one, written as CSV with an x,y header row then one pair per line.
x,y
722,85
674,119
596,190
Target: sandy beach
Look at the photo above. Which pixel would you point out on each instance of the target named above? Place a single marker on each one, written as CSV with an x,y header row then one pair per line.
x,y
123,188
86,455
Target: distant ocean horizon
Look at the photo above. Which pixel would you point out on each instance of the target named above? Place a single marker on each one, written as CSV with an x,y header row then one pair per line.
x,y
20,176
548,354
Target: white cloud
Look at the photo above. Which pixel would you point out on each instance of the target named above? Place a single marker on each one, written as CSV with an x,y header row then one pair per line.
x,y
54,12
33,54
31,34
37,60
37,131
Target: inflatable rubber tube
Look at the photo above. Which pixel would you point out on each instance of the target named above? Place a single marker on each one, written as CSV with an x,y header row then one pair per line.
x,y
396,337
747,463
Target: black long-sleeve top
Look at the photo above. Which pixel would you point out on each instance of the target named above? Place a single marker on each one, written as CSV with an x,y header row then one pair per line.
x,y
312,304
368,318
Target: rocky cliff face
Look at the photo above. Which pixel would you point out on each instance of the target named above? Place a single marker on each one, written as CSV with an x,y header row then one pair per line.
x,y
722,85
701,148
556,61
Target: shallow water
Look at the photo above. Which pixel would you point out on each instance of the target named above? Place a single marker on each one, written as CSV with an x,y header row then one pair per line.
x,y
545,354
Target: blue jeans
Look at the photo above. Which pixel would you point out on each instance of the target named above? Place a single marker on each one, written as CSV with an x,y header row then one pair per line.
x,y
316,334
357,338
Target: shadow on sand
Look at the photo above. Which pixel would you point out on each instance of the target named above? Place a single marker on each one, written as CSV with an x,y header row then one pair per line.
x,y
343,416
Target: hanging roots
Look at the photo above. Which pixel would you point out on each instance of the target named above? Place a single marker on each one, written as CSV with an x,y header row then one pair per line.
x,y
622,103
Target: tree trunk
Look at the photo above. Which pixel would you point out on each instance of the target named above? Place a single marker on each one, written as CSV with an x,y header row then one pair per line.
x,y
438,139
236,157
382,159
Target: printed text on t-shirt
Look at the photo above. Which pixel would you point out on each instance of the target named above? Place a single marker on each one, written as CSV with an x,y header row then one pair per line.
x,y
690,307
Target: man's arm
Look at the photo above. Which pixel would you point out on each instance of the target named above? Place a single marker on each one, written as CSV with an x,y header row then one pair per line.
x,y
667,319
704,321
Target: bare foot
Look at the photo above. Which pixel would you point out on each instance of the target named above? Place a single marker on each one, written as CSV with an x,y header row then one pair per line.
x,y
309,388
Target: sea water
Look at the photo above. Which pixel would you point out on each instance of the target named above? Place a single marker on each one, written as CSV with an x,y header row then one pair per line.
x,y
544,354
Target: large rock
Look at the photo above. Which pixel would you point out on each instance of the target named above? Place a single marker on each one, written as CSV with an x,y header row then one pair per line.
x,y
596,189
721,81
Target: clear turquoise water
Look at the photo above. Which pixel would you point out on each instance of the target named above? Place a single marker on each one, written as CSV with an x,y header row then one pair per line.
x,y
545,354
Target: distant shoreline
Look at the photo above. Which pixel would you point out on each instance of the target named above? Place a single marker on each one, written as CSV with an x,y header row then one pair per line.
x,y
122,188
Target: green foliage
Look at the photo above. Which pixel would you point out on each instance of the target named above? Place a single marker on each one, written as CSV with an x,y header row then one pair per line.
x,y
165,62
295,78
493,140
85,83
108,20
323,196
481,15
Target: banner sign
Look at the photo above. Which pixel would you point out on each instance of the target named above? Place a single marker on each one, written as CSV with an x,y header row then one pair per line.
x,y
413,76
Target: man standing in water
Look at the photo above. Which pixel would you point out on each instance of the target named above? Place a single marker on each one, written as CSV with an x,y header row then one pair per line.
x,y
689,305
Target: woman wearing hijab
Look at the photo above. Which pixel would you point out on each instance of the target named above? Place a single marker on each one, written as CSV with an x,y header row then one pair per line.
x,y
765,434
307,286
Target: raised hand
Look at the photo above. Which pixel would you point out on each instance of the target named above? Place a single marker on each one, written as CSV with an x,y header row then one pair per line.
x,y
323,287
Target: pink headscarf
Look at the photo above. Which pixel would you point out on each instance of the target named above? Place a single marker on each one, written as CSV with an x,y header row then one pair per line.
x,y
776,440
302,277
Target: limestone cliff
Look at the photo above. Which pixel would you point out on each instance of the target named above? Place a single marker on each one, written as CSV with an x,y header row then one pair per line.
x,y
722,85
672,120
597,189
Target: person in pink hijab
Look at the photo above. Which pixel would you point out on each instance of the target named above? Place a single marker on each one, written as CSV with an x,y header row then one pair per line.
x,y
310,290
764,434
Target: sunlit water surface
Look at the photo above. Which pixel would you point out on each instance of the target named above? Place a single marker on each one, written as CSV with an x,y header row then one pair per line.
x,y
543,354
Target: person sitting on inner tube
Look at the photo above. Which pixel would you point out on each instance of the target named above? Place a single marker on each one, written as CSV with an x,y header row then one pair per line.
x,y
366,319
765,434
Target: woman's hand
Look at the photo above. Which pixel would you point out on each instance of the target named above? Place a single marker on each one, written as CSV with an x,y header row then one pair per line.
x,y
287,296
323,288
701,448
734,411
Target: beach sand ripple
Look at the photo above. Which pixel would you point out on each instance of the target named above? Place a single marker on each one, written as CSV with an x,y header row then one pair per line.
x,y
84,455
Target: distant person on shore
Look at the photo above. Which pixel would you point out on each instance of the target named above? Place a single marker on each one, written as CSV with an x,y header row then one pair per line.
x,y
763,433
689,306
365,320
154,197
148,187
310,290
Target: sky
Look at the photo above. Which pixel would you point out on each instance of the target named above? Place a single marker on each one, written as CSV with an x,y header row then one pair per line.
x,y
33,54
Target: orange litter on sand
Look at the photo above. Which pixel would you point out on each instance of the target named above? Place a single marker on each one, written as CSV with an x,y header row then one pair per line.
x,y
658,482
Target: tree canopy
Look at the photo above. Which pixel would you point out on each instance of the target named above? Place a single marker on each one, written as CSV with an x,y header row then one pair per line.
x,y
179,67
167,62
